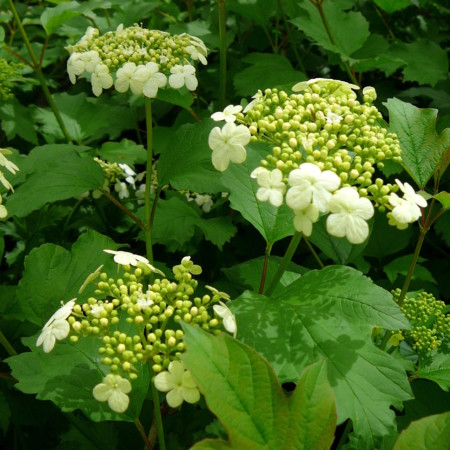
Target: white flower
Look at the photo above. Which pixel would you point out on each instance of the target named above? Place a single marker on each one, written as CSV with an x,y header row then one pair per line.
x,y
154,81
130,259
101,79
75,66
336,84
56,328
311,185
96,310
144,301
114,390
179,385
5,182
255,98
305,218
183,76
131,77
3,210
228,114
272,187
6,163
121,188
333,118
307,143
91,60
407,209
228,319
205,201
227,144
129,172
349,213
196,54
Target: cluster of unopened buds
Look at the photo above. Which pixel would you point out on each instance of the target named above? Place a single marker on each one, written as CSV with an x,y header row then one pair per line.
x,y
326,146
11,167
143,296
136,59
10,73
429,321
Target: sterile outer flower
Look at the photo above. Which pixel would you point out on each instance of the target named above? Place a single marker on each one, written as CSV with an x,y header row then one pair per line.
x,y
63,312
3,210
341,85
311,185
75,66
6,163
228,114
349,213
196,54
409,194
178,384
101,79
125,79
190,266
91,60
114,390
5,182
129,172
305,218
228,318
130,259
56,330
227,144
255,98
183,76
205,201
154,81
407,209
272,187
121,188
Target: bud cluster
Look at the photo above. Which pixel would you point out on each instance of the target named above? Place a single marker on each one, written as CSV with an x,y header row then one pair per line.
x,y
137,59
152,305
430,323
9,73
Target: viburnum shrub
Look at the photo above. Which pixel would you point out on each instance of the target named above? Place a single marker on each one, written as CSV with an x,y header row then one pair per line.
x,y
221,227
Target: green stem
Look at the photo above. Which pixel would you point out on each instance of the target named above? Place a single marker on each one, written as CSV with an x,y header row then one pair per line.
x,y
222,53
6,345
316,256
264,272
148,180
284,262
319,5
158,417
40,75
123,208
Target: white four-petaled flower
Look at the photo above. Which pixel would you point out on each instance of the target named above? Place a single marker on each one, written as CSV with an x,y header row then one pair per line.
x,y
114,390
227,144
272,187
310,185
305,218
228,318
183,76
228,114
154,81
130,259
407,209
349,213
178,384
101,79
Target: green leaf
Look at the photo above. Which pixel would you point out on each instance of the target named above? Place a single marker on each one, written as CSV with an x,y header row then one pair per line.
x,y
5,414
429,433
179,97
340,22
186,162
125,152
258,10
391,6
273,223
415,128
59,274
176,222
67,375
267,71
331,313
436,367
242,390
55,172
418,55
338,249
400,266
16,120
444,198
53,18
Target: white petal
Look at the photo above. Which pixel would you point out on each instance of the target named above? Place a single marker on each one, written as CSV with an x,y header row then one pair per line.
x,y
118,401
175,397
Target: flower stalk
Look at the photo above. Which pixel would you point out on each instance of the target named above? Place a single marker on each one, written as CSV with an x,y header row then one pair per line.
x,y
222,53
148,180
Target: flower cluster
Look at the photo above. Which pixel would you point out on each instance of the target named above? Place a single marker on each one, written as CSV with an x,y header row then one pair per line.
x,y
430,323
136,59
11,167
140,295
9,73
326,146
